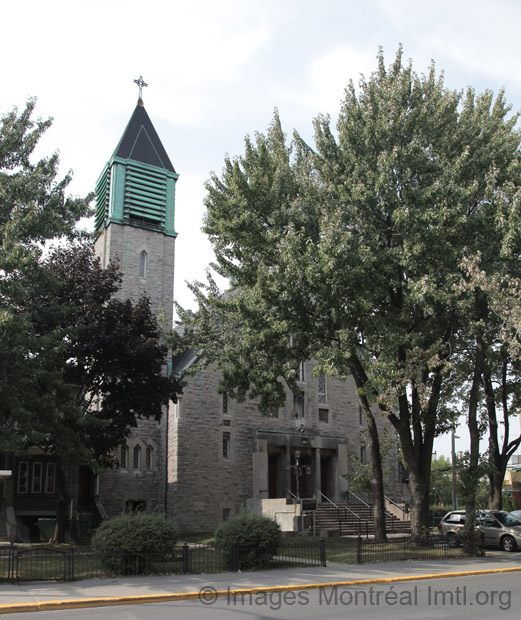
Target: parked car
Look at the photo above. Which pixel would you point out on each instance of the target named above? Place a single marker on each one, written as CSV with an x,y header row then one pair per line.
x,y
498,528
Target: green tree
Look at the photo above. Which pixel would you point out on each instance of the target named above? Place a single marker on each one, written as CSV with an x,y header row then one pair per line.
x,y
500,291
78,367
356,247
95,366
33,209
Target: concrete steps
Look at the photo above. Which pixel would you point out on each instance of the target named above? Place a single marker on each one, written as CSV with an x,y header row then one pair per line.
x,y
354,519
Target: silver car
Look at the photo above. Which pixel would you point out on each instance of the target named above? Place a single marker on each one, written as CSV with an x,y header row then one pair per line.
x,y
498,528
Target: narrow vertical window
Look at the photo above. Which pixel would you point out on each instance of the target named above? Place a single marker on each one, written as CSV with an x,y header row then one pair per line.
x,y
143,264
226,445
37,477
23,476
123,460
136,457
363,455
148,458
226,408
50,478
300,372
322,393
298,406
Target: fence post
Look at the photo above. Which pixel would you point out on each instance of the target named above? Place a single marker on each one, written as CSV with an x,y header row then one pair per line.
x,y
322,543
235,557
71,563
359,549
10,562
185,558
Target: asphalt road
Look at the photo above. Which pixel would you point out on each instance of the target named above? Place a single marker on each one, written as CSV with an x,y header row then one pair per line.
x,y
474,597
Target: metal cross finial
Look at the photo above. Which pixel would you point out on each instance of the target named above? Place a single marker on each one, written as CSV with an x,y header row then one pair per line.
x,y
140,83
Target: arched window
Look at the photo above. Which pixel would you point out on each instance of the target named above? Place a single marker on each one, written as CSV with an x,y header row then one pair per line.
x,y
148,457
143,264
136,457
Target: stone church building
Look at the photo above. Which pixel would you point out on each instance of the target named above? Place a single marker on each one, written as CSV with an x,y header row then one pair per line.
x,y
209,455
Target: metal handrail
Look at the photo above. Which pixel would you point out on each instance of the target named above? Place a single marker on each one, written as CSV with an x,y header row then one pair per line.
x,y
291,493
391,501
346,510
319,494
360,501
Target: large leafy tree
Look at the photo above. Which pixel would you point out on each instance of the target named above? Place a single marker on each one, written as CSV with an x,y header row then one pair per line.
x,y
91,366
78,366
499,291
96,365
34,209
356,247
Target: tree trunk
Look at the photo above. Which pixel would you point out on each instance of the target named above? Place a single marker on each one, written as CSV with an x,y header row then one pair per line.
x,y
61,506
495,501
376,457
419,505
473,473
418,464
378,478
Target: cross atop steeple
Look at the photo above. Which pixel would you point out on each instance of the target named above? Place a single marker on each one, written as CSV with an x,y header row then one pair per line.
x,y
140,84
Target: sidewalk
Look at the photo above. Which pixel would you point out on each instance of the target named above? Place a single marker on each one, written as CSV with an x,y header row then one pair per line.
x,y
35,596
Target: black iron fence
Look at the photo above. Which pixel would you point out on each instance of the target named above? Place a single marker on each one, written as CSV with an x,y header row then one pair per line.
x,y
46,563
405,548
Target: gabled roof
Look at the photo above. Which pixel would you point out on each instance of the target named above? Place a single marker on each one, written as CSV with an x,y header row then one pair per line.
x,y
140,142
182,361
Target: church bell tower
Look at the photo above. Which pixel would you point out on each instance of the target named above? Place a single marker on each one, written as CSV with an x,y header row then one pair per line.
x,y
135,207
134,224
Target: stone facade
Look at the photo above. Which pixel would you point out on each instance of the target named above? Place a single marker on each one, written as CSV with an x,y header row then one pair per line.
x,y
146,259
222,453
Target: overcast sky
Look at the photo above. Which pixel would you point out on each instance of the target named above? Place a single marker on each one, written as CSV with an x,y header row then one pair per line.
x,y
217,70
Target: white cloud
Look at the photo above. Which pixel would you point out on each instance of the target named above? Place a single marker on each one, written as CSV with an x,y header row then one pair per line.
x,y
479,36
327,77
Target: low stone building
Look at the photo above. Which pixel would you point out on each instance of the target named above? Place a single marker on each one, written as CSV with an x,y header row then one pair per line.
x,y
222,453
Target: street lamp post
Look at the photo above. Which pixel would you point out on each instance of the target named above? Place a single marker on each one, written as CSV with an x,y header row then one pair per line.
x,y
297,472
454,495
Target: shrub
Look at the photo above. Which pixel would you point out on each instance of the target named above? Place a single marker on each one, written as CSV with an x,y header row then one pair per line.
x,y
256,536
126,541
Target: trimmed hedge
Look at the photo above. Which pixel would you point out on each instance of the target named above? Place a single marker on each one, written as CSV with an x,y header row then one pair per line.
x,y
126,540
257,538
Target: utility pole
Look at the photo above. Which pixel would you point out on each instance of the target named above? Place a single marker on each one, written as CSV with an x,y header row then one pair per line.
x,y
454,495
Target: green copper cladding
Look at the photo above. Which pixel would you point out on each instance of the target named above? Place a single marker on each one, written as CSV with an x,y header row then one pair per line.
x,y
137,186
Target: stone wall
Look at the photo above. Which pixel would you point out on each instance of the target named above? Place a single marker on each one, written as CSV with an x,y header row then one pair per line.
x,y
126,243
126,483
205,486
147,483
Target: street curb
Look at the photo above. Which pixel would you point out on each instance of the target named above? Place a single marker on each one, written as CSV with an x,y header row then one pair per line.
x,y
209,595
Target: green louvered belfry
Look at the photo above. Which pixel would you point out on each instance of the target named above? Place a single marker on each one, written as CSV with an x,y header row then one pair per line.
x,y
137,186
